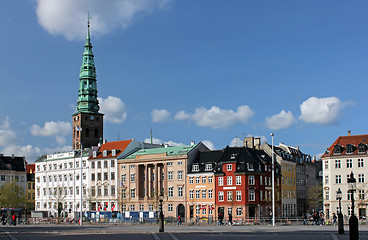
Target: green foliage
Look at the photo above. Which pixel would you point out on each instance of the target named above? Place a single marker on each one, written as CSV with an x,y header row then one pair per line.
x,y
315,196
12,195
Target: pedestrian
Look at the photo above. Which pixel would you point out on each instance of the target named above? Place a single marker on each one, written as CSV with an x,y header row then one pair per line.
x,y
179,221
334,219
14,218
3,219
305,219
271,218
220,219
322,219
230,219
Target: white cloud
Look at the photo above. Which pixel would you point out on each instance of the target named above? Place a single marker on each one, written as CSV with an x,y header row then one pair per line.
x,y
69,17
52,128
209,144
64,148
216,117
114,109
31,153
280,121
7,136
159,115
60,140
236,142
322,110
159,141
181,115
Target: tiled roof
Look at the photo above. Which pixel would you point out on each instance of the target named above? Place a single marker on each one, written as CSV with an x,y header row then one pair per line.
x,y
170,151
12,163
343,141
119,146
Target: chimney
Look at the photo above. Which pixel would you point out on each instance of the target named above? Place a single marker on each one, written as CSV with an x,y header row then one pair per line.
x,y
104,141
192,143
349,133
248,142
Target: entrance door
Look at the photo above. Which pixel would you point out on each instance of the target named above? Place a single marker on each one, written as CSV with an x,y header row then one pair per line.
x,y
181,211
191,211
252,211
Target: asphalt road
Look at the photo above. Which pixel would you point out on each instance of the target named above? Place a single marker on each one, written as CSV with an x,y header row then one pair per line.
x,y
172,232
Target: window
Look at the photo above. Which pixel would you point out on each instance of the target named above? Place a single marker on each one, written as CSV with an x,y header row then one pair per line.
x,y
209,179
132,193
203,179
197,180
171,192
337,149
327,194
238,196
98,164
150,207
141,207
180,191
98,176
191,194
230,180
349,149
170,207
93,177
349,163
169,164
191,180
208,167
361,178
113,162
105,162
221,196
238,180
239,211
251,195
204,193
112,190
229,195
112,175
195,168
198,210
197,194
180,163
338,163
360,162
326,164
250,167
170,175
220,181
99,192
132,177
338,179
204,210
361,195
229,167
251,180
106,176
132,207
180,175
210,193
123,178
361,148
106,191
123,167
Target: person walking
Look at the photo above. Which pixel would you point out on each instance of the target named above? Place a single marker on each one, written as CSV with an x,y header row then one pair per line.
x,y
179,221
230,219
334,219
305,219
14,218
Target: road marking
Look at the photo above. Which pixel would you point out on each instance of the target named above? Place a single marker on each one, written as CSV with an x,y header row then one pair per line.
x,y
333,236
11,236
173,236
155,236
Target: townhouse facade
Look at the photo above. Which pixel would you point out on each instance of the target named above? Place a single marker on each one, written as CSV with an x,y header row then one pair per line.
x,y
150,174
348,154
30,194
13,168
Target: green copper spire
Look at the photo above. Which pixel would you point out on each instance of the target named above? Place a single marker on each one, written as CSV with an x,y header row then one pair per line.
x,y
87,94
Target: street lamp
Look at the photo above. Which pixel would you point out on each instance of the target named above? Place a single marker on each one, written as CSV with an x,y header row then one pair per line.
x,y
353,220
273,185
161,216
339,215
81,175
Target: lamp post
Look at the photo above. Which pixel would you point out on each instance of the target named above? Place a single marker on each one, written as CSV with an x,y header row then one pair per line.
x,y
81,181
273,185
353,220
339,215
161,216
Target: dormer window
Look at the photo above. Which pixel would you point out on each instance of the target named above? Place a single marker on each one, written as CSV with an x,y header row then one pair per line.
x,y
250,167
337,149
94,154
208,167
104,153
195,168
349,148
229,167
113,152
361,148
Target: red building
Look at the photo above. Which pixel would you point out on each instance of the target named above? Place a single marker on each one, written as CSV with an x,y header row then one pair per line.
x,y
243,183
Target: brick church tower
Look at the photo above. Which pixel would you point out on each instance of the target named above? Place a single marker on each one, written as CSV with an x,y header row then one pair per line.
x,y
87,121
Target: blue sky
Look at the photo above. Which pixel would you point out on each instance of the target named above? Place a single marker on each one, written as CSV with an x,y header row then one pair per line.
x,y
210,71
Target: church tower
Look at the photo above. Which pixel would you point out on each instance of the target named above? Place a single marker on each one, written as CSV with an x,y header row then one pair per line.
x,y
87,121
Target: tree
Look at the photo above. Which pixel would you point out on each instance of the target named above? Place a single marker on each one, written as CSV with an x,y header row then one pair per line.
x,y
315,197
12,195
58,197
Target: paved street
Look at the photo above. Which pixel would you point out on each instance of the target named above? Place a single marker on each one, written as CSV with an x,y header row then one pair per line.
x,y
150,232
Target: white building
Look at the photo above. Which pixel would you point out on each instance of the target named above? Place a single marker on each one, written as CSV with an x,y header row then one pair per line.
x,y
58,179
347,154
